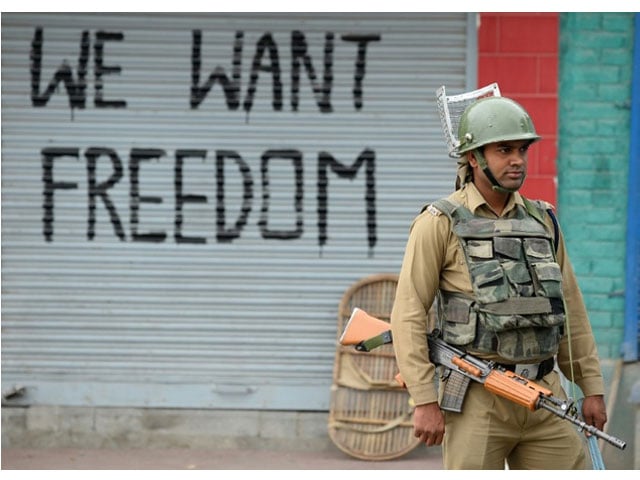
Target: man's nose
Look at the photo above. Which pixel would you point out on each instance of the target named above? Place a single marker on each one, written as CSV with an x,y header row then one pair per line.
x,y
517,157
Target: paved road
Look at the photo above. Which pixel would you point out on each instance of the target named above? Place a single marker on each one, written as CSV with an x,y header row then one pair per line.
x,y
422,458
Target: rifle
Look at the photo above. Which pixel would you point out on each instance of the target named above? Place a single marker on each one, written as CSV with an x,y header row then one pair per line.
x,y
367,332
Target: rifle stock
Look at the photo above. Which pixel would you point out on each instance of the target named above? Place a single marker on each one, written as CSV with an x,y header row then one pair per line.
x,y
362,326
366,332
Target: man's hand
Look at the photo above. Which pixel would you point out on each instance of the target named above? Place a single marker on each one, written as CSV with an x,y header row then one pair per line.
x,y
594,411
428,423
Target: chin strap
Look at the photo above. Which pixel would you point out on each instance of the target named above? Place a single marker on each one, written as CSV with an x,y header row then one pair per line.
x,y
485,168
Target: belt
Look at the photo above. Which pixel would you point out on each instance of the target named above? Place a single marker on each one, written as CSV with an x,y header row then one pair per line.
x,y
531,371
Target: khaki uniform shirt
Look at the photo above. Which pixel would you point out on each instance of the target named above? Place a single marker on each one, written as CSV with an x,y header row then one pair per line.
x,y
434,259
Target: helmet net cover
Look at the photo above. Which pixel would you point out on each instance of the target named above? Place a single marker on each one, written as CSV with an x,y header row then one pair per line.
x,y
451,108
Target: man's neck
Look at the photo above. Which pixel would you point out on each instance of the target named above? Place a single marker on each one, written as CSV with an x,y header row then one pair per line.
x,y
497,201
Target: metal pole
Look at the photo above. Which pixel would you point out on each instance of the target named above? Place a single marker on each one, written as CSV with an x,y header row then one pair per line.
x,y
632,280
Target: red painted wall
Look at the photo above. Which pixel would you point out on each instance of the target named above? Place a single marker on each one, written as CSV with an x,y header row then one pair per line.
x,y
520,52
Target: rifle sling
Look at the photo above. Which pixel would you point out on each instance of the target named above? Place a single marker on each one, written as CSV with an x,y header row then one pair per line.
x,y
375,342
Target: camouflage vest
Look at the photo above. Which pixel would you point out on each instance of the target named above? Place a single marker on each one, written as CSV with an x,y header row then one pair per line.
x,y
517,310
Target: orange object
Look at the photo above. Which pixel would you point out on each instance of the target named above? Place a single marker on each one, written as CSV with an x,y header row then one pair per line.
x,y
362,326
400,380
466,367
513,387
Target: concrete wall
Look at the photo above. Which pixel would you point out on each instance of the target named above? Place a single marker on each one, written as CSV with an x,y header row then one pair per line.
x,y
595,91
89,427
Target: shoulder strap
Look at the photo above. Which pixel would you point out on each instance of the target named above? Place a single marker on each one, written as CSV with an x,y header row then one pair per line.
x,y
448,207
536,209
556,229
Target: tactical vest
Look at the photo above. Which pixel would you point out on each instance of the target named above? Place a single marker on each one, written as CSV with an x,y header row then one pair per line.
x,y
517,310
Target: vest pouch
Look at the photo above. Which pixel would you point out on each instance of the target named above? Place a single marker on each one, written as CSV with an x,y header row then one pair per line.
x,y
499,323
508,247
549,279
489,282
480,248
525,345
494,322
538,249
458,319
519,278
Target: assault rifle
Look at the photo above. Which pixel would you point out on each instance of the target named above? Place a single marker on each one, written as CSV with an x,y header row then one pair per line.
x,y
367,332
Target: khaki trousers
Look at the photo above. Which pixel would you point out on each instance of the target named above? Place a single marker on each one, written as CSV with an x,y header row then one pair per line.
x,y
492,430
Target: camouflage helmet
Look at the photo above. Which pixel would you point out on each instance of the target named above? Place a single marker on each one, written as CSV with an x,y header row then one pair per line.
x,y
494,119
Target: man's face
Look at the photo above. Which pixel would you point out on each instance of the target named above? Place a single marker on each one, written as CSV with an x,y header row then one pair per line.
x,y
507,161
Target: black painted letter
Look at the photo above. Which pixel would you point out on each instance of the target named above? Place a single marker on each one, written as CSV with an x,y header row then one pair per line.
x,y
321,92
181,198
326,161
296,158
48,156
137,156
231,88
361,62
266,42
100,189
225,235
75,90
101,69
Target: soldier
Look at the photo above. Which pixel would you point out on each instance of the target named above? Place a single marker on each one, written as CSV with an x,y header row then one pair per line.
x,y
506,291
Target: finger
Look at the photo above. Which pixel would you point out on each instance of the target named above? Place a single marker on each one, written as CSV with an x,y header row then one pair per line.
x,y
431,440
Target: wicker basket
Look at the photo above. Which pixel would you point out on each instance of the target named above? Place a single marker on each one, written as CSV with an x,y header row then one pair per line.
x,y
370,415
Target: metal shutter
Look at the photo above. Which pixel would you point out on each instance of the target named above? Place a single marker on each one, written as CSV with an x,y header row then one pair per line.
x,y
167,244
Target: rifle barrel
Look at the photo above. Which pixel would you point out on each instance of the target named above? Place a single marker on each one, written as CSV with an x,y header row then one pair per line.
x,y
616,442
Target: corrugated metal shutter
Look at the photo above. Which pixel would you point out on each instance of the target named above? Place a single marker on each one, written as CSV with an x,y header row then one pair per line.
x,y
163,246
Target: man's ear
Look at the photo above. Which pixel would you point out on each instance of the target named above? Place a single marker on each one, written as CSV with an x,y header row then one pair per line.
x,y
472,159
